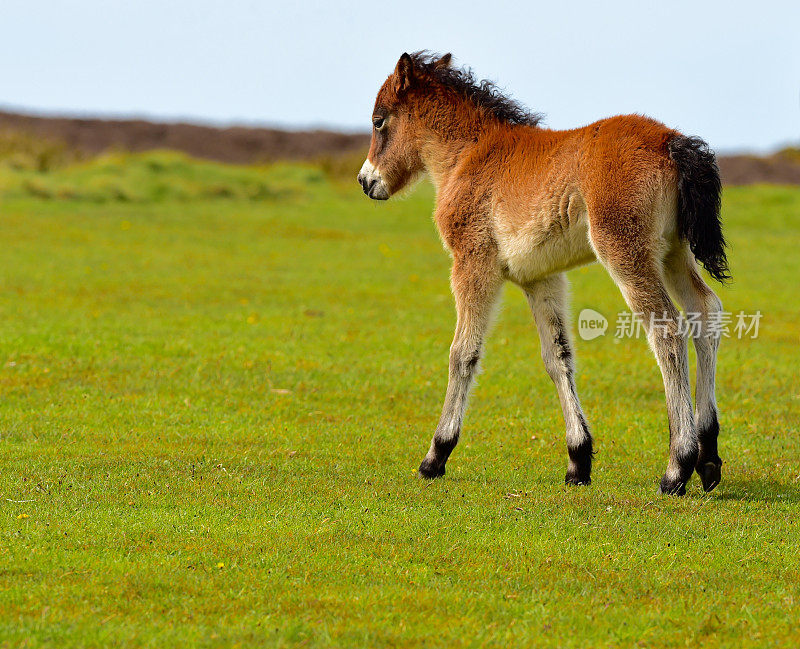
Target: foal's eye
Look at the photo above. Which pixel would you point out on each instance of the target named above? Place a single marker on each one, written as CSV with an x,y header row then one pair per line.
x,y
378,123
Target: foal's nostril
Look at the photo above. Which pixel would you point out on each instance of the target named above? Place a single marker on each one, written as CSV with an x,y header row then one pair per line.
x,y
367,183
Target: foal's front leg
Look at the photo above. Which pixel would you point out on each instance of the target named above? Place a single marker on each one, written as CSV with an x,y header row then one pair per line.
x,y
547,299
476,285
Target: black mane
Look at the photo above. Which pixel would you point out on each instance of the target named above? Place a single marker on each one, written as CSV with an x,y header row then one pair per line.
x,y
484,94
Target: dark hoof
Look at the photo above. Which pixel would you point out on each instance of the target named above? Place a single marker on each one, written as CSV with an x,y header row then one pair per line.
x,y
575,478
672,487
711,474
430,470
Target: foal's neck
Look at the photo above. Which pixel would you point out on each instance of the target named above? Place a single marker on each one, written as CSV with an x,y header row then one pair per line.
x,y
449,134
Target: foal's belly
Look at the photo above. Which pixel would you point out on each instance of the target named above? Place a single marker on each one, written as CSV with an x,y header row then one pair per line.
x,y
549,241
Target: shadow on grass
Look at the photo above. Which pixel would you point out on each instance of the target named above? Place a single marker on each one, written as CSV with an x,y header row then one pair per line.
x,y
757,491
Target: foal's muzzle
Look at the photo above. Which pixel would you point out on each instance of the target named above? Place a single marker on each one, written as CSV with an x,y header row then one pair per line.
x,y
371,182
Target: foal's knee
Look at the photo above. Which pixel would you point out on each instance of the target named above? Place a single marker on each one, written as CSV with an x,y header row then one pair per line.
x,y
464,359
557,357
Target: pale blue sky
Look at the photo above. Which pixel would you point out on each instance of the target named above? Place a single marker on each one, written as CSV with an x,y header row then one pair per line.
x,y
728,71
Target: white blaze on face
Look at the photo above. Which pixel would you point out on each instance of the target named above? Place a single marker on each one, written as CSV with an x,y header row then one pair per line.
x,y
369,171
372,181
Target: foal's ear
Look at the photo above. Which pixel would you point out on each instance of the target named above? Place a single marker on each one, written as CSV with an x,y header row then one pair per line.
x,y
444,62
404,73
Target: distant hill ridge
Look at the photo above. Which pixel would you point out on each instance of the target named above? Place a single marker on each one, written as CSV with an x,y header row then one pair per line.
x,y
236,144
246,145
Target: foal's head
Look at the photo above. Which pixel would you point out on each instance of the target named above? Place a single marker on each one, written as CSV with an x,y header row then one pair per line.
x,y
425,96
394,159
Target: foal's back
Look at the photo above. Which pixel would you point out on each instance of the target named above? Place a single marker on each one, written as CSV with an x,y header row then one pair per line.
x,y
553,190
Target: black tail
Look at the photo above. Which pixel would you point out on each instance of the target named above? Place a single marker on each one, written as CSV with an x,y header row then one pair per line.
x,y
699,202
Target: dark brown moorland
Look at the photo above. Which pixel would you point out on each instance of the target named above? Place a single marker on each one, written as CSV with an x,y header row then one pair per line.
x,y
246,145
235,144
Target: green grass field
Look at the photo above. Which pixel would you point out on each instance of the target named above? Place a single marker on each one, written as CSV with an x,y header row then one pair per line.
x,y
217,385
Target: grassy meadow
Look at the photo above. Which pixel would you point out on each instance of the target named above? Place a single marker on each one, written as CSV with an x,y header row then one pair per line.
x,y
217,383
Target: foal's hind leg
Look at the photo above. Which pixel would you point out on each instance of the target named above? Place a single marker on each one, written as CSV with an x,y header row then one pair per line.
x,y
696,297
637,274
476,285
547,299
646,295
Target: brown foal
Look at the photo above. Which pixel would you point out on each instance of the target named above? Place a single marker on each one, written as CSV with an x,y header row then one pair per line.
x,y
518,202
